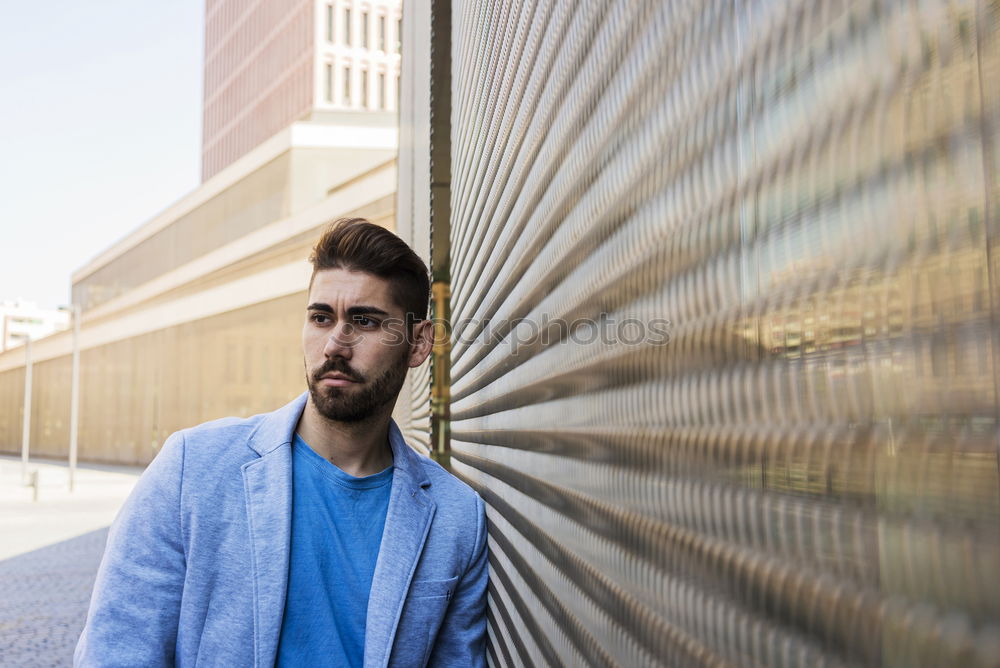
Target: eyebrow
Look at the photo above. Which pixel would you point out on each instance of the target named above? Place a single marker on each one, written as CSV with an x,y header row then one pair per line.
x,y
320,307
352,311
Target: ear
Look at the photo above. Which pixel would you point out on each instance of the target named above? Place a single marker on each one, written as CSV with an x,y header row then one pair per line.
x,y
423,342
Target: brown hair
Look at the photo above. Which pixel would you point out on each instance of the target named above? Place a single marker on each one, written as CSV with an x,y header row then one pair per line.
x,y
357,244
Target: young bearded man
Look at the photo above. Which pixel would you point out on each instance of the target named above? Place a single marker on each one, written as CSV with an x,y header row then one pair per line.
x,y
311,536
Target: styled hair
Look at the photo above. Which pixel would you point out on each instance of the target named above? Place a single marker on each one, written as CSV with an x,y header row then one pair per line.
x,y
356,244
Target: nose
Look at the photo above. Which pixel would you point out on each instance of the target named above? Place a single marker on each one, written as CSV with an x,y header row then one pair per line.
x,y
341,341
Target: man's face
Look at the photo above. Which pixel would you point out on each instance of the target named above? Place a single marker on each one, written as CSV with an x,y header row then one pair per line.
x,y
356,346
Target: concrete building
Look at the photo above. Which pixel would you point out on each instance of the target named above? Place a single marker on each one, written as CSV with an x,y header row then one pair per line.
x,y
269,64
20,319
196,313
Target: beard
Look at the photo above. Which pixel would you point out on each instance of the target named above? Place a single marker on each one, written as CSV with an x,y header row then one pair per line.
x,y
350,404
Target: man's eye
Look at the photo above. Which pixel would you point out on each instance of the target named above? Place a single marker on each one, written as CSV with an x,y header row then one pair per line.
x,y
320,318
365,321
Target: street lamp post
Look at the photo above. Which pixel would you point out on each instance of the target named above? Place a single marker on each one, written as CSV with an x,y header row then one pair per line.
x,y
74,400
74,406
26,428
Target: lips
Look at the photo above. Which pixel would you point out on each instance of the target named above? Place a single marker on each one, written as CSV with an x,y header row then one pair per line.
x,y
335,373
336,379
338,376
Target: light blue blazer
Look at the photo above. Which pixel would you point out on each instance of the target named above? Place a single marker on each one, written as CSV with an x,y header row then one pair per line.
x,y
196,567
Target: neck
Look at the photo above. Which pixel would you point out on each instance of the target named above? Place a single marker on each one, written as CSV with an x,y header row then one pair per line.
x,y
356,448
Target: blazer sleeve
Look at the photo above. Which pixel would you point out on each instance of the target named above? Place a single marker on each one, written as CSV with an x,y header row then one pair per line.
x,y
461,640
135,605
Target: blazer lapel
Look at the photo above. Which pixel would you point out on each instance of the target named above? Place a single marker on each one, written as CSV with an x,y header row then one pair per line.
x,y
407,522
268,486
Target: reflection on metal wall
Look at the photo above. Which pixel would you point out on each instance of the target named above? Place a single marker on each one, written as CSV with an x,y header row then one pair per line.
x,y
412,412
724,363
422,199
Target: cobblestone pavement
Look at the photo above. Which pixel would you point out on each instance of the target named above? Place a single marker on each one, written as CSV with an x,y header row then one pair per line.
x,y
44,596
51,541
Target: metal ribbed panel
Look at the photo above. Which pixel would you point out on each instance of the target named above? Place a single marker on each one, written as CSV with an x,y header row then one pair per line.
x,y
412,413
723,354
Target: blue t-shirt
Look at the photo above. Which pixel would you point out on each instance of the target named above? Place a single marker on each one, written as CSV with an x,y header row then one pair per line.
x,y
337,523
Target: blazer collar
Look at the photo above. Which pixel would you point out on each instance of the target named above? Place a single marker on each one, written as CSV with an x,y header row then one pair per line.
x,y
277,429
268,485
406,461
407,523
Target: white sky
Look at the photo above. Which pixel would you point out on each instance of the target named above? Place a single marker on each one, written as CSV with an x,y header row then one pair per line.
x,y
100,129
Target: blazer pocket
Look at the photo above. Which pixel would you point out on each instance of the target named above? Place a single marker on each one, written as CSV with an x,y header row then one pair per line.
x,y
426,604
432,588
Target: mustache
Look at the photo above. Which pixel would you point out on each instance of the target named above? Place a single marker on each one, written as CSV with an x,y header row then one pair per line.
x,y
340,366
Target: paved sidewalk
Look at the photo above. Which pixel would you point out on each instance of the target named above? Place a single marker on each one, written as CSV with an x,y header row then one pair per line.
x,y
44,596
58,514
49,553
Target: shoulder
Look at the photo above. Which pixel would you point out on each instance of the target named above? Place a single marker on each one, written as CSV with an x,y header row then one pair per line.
x,y
223,429
223,439
457,503
229,430
458,532
206,460
444,489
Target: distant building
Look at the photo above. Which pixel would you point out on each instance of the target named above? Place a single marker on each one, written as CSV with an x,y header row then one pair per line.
x,y
269,64
196,314
20,319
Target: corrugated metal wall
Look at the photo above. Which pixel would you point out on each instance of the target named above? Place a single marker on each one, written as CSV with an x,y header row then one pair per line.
x,y
724,285
413,198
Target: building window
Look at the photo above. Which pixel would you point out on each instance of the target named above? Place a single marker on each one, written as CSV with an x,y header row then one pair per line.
x,y
381,90
347,26
399,35
364,88
328,83
347,86
364,29
329,23
381,33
